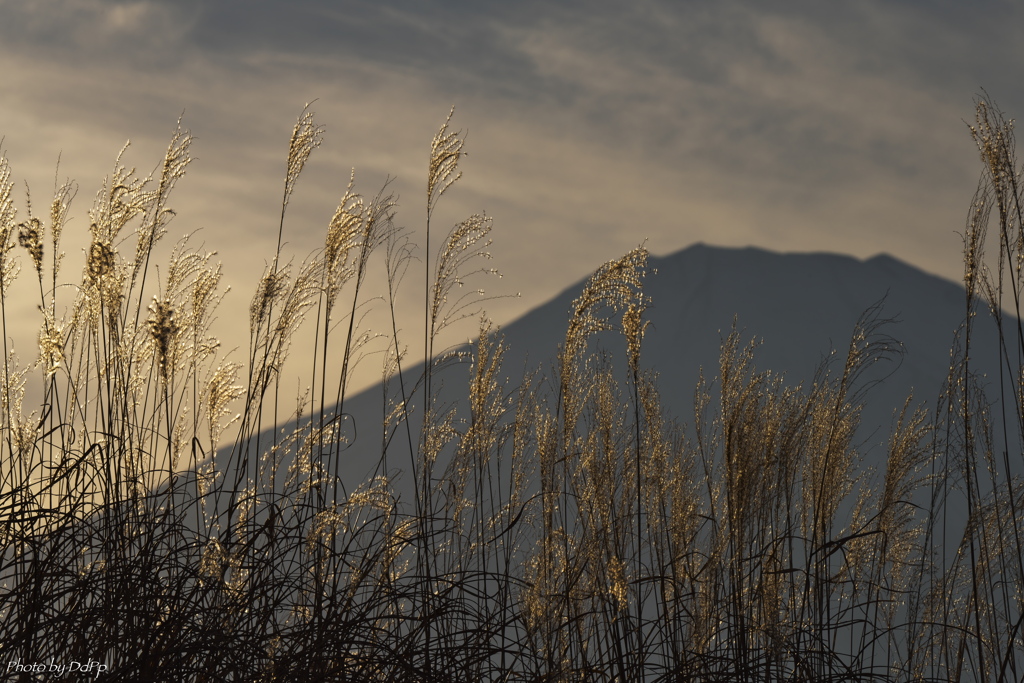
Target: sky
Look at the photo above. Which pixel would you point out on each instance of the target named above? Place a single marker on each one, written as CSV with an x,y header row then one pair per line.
x,y
591,127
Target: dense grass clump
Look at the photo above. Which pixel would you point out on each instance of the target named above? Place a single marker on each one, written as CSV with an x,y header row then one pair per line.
x,y
564,529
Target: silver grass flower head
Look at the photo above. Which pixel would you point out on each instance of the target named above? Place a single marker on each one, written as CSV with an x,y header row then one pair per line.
x,y
344,226
163,328
306,136
443,170
101,260
59,210
51,345
634,327
30,237
221,390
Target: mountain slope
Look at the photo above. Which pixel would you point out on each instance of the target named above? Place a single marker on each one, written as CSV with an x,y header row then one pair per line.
x,y
801,307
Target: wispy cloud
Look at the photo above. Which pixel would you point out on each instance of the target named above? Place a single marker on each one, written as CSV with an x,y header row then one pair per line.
x,y
592,126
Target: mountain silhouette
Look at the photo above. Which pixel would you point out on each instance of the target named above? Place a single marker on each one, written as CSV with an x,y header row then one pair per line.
x,y
800,308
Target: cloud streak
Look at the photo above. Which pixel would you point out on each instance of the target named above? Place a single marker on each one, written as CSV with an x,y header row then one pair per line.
x,y
591,127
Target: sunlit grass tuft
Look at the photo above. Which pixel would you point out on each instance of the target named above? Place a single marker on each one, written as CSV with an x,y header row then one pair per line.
x,y
159,514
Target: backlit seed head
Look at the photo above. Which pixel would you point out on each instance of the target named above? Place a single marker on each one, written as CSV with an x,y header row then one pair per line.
x,y
163,329
51,347
30,237
101,260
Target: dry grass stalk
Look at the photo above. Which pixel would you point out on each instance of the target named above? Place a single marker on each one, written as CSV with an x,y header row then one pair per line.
x,y
564,529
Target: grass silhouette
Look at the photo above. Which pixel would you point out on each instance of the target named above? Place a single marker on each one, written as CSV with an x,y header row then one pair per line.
x,y
564,529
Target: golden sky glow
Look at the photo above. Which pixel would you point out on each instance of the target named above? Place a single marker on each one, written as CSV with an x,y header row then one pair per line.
x,y
590,126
